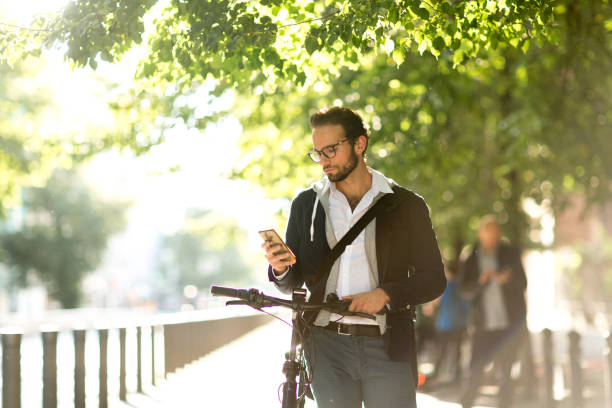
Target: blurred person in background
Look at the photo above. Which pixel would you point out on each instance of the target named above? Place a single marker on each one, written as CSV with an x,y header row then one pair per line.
x,y
494,279
425,328
451,324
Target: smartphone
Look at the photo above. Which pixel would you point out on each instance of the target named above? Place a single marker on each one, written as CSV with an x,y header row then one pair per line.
x,y
273,237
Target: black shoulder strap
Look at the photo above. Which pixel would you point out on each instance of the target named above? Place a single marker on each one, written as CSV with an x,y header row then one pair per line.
x,y
338,249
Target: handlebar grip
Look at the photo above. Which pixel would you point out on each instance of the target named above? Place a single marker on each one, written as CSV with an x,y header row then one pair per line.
x,y
224,291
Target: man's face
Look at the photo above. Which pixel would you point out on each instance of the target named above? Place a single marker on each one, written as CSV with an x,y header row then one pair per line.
x,y
346,159
489,235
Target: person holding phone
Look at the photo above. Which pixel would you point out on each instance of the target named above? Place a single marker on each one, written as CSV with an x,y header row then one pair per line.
x,y
493,277
393,263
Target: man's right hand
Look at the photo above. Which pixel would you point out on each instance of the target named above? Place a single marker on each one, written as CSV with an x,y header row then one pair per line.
x,y
279,262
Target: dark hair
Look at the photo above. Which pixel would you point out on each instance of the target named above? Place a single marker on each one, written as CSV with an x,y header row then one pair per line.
x,y
350,121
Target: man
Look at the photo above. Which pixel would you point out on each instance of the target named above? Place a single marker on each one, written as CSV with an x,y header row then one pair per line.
x,y
394,262
494,278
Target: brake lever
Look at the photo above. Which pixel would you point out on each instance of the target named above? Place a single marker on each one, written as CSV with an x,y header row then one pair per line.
x,y
361,314
236,302
343,306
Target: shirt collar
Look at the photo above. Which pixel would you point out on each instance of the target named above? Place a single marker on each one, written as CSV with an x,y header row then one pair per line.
x,y
380,184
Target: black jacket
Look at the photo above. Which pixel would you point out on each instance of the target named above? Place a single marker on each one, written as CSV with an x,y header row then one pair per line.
x,y
513,291
405,241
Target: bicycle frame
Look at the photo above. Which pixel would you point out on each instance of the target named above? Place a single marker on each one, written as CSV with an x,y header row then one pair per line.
x,y
292,367
294,391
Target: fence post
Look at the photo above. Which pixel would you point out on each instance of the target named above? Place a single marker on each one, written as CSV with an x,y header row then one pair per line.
x,y
11,369
608,376
528,376
139,359
79,368
49,339
122,386
169,349
575,355
152,355
547,349
103,393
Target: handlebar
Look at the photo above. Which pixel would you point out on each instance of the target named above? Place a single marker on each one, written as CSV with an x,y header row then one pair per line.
x,y
256,299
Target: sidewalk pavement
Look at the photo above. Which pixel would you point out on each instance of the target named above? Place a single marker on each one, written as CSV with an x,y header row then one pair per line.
x,y
247,372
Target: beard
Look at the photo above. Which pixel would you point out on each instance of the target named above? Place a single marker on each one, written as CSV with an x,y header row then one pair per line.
x,y
344,171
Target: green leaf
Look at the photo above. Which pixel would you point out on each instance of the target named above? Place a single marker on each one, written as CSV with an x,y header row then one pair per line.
x,y
300,78
398,56
332,37
525,45
420,11
457,57
451,29
393,13
271,57
494,42
311,44
438,43
360,28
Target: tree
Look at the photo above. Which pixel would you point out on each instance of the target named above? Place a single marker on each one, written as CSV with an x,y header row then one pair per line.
x,y
64,235
246,43
31,145
478,138
34,138
23,158
474,103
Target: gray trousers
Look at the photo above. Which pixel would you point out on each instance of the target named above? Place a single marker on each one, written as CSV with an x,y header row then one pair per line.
x,y
350,370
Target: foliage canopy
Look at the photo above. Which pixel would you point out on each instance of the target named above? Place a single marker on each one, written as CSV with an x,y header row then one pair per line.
x,y
245,43
509,125
478,105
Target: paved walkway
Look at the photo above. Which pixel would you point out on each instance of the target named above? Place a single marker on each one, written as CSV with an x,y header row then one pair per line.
x,y
247,372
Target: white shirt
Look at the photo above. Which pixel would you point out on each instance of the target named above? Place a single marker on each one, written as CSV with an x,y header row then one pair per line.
x,y
354,271
495,313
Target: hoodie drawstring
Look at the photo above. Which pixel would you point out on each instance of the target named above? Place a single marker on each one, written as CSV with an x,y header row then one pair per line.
x,y
314,213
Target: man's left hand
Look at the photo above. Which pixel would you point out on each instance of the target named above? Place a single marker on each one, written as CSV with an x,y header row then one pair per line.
x,y
503,276
368,302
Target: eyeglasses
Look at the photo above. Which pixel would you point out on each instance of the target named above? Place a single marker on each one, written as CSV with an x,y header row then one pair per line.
x,y
327,151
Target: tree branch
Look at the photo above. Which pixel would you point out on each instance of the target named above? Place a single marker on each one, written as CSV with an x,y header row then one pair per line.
x,y
17,27
325,17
